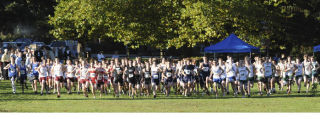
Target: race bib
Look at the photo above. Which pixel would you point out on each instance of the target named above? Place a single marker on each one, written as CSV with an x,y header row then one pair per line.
x,y
130,75
169,74
146,75
92,75
22,72
188,72
155,76
205,69
99,77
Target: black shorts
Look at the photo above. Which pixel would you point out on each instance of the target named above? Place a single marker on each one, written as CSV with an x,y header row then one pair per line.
x,y
251,79
204,74
73,79
156,81
118,79
147,81
243,81
22,79
100,84
167,81
174,80
133,81
138,80
35,77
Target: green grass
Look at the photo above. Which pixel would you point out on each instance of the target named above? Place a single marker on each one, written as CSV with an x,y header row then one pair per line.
x,y
279,102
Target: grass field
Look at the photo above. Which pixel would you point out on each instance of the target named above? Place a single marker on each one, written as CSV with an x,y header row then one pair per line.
x,y
279,102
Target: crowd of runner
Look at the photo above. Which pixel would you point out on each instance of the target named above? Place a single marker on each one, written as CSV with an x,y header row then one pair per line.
x,y
134,77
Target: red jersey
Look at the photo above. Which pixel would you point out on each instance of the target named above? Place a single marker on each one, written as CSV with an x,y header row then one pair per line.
x,y
93,74
100,74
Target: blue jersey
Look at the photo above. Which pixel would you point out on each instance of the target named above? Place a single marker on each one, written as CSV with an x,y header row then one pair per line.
x,y
12,70
34,71
23,70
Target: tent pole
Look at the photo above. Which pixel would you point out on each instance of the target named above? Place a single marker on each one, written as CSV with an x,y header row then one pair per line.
x,y
250,54
214,55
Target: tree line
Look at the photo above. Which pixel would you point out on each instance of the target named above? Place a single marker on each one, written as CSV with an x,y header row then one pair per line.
x,y
289,25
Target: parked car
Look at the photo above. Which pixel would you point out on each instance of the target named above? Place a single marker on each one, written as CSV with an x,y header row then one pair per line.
x,y
39,44
9,45
27,41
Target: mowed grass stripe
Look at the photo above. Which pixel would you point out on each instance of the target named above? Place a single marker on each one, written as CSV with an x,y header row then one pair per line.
x,y
279,102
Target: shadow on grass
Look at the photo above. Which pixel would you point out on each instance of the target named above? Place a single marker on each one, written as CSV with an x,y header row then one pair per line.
x,y
158,98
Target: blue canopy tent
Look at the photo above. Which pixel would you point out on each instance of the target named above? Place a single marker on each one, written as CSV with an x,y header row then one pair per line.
x,y
316,48
232,44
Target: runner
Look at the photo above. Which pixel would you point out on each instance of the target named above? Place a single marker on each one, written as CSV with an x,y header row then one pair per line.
x,y
215,77
118,75
260,75
276,77
50,81
108,77
315,68
231,73
93,78
307,73
12,69
77,74
83,70
289,71
23,76
100,78
250,80
155,79
58,70
187,77
243,72
131,72
70,75
267,75
43,73
34,74
298,70
146,78
223,75
168,78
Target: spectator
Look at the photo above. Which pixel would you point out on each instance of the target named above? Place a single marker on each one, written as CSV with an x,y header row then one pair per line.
x,y
61,54
38,54
100,56
51,54
5,59
68,53
115,55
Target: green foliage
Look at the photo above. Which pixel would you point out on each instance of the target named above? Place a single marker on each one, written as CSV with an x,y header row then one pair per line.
x,y
272,24
25,18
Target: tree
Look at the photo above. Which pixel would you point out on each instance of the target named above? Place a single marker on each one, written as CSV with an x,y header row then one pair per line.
x,y
25,18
